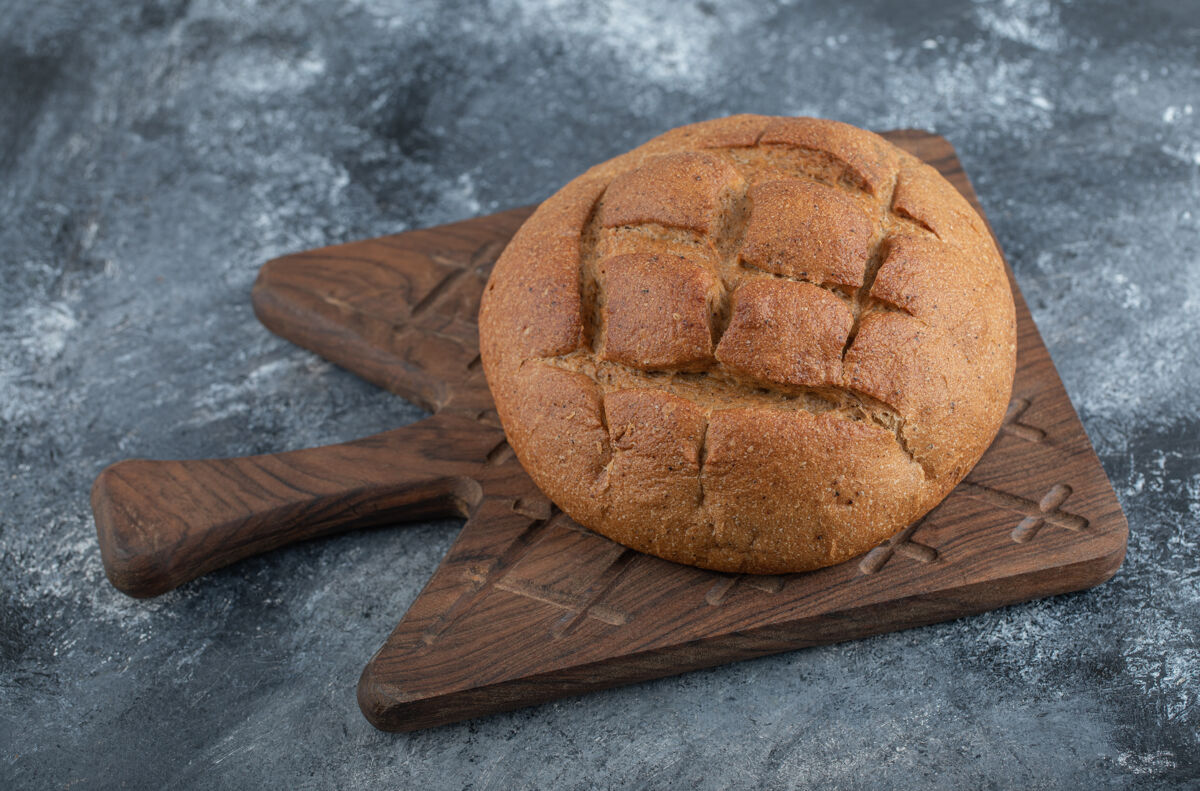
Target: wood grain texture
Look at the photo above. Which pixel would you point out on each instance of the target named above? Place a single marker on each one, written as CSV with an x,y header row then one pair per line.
x,y
527,605
162,523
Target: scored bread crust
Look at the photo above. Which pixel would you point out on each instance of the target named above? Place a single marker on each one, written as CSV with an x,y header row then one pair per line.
x,y
753,344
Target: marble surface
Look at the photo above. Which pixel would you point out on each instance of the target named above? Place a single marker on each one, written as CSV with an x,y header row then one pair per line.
x,y
154,154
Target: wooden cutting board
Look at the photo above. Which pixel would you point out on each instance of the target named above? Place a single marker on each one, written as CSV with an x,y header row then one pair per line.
x,y
527,605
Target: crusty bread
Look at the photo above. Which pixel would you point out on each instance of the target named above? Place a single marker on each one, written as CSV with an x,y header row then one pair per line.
x,y
752,344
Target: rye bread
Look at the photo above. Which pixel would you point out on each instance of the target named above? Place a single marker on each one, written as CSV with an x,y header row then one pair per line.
x,y
752,344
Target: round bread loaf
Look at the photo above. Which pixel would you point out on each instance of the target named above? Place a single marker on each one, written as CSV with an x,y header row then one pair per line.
x,y
752,344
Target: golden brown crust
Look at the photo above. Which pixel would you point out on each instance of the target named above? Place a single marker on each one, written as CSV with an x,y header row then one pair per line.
x,y
687,190
868,160
807,230
782,332
752,344
657,311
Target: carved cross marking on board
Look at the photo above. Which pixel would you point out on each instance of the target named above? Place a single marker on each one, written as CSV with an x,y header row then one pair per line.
x,y
1036,514
717,593
1050,503
901,543
578,605
1012,422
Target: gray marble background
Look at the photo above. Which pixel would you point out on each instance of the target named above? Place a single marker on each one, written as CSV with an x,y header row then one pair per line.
x,y
154,154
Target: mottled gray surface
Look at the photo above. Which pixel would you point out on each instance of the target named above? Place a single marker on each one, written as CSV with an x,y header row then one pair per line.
x,y
154,154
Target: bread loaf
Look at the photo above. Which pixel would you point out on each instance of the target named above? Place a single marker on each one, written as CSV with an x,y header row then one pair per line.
x,y
752,344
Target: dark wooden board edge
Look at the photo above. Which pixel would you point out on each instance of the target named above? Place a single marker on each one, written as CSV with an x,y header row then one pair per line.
x,y
388,707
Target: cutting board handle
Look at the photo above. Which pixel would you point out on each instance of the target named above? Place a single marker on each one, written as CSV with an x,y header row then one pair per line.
x,y
163,523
